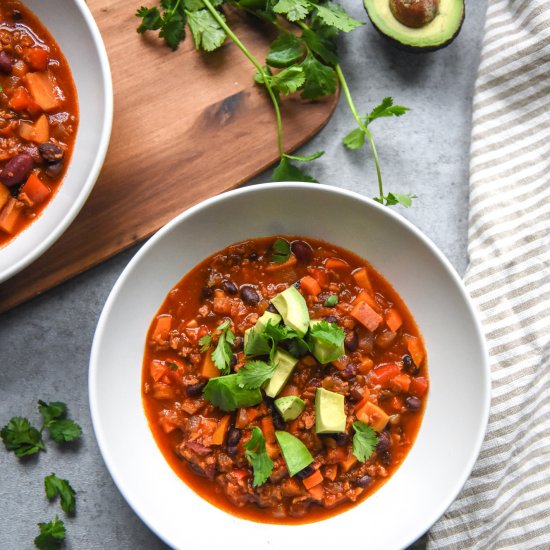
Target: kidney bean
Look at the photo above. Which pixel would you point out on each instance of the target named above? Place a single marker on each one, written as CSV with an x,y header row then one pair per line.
x,y
413,403
249,295
51,153
364,481
53,170
385,458
206,292
409,365
194,390
302,251
331,319
356,394
384,442
230,287
351,340
233,437
6,62
17,169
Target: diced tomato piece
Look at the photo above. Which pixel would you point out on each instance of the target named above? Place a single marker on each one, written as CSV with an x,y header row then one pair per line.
x,y
419,386
381,376
38,58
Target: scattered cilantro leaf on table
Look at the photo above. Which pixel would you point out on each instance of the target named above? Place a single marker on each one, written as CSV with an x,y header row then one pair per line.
x,y
51,535
364,441
20,437
56,486
59,427
256,454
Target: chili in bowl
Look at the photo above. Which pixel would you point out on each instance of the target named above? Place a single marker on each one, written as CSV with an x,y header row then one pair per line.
x,y
222,413
55,122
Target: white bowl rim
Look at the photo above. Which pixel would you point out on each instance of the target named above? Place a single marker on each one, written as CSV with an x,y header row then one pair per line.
x,y
93,174
110,302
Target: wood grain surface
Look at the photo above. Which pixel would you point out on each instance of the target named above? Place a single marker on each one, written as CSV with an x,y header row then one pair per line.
x,y
187,126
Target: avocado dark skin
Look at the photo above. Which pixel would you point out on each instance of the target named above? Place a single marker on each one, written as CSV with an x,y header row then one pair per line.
x,y
414,14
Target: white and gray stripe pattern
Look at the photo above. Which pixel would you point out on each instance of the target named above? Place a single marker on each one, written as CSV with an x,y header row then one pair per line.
x,y
506,501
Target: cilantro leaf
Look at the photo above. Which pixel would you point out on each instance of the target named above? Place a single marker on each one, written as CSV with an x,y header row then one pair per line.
x,y
253,374
173,30
256,343
355,139
285,50
307,158
257,457
206,31
224,392
392,199
286,171
335,16
324,47
205,342
329,333
223,353
51,535
56,486
20,437
364,441
288,81
331,301
386,109
320,80
281,251
64,430
295,10
51,411
151,19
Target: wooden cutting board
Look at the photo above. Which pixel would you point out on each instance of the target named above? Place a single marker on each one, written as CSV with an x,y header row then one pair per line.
x,y
187,126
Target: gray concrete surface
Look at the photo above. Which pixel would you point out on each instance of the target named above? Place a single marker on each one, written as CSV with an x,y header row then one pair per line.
x,y
45,344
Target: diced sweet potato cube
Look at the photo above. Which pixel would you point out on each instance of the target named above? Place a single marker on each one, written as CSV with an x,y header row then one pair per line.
x,y
373,415
363,313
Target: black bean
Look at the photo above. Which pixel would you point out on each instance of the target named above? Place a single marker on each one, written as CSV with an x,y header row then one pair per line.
x,y
302,251
194,390
341,438
6,62
232,450
17,15
315,382
53,170
17,169
233,437
306,472
249,295
230,287
51,153
331,319
384,442
364,481
409,365
351,340
278,421
271,308
356,394
253,256
236,259
385,458
413,403
233,361
206,292
349,372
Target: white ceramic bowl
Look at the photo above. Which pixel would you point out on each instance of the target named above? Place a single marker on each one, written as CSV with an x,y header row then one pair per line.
x,y
457,409
74,29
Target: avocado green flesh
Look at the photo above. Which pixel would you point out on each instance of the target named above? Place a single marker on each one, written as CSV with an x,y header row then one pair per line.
x,y
438,33
293,309
330,413
290,407
285,364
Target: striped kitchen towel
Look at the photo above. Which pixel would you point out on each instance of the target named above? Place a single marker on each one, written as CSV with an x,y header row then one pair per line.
x,y
506,501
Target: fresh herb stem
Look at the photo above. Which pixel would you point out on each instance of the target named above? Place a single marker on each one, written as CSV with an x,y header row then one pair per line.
x,y
362,125
258,67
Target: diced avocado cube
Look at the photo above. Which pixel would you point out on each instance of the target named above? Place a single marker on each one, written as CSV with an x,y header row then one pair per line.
x,y
325,352
295,453
330,414
293,309
285,364
290,407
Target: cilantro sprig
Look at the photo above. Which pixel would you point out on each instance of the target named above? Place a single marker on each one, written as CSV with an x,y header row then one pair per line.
x,y
56,486
223,353
281,251
364,441
256,454
253,374
24,439
303,59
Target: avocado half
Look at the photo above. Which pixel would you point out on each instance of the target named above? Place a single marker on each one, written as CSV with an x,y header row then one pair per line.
x,y
436,34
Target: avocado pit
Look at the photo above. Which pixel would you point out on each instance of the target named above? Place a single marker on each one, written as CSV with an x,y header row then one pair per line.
x,y
414,13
